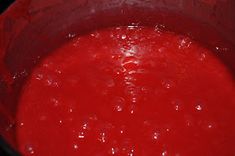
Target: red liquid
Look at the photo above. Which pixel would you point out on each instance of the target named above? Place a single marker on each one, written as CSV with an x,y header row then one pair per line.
x,y
128,91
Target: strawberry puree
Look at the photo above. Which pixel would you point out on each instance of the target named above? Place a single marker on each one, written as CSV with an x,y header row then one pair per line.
x,y
128,91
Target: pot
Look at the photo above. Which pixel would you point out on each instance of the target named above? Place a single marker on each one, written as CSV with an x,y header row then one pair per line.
x,y
31,29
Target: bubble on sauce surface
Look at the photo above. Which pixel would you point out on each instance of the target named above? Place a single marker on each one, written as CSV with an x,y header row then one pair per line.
x,y
70,110
76,42
167,129
199,107
177,107
118,104
85,126
93,117
113,151
189,120
130,61
164,153
131,152
134,99
71,35
54,101
51,81
129,78
60,122
102,137
209,125
184,43
133,109
127,147
124,37
166,83
132,27
75,146
177,104
131,90
95,35
39,76
58,71
145,89
122,129
159,27
155,135
202,56
130,50
81,135
29,149
119,70
21,124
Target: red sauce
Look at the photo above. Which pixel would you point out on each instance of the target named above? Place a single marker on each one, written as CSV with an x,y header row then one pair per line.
x,y
128,91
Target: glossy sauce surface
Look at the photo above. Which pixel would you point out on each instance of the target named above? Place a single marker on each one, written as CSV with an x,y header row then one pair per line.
x,y
128,91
